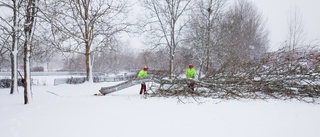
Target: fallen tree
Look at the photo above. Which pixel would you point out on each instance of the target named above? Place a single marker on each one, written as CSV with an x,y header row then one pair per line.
x,y
301,87
281,80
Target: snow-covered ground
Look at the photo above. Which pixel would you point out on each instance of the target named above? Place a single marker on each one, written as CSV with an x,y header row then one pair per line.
x,y
73,111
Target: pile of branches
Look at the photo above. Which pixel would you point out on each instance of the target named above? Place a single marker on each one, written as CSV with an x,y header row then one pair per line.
x,y
282,81
300,87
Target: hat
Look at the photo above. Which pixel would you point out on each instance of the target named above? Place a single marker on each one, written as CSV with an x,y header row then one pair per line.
x,y
145,68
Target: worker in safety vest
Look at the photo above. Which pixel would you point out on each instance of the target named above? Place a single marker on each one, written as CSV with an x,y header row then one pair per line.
x,y
191,74
142,74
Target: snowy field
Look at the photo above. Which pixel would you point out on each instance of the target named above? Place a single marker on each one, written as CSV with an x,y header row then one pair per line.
x,y
73,111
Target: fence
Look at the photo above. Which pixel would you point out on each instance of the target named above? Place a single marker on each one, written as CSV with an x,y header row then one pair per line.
x,y
79,80
59,78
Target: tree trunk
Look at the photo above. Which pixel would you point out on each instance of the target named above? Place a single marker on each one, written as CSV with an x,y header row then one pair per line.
x,y
87,43
26,70
208,40
14,50
28,26
88,65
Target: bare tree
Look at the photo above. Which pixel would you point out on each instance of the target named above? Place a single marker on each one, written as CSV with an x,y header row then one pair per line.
x,y
244,36
4,51
31,9
295,30
11,27
203,31
164,24
87,26
295,36
42,51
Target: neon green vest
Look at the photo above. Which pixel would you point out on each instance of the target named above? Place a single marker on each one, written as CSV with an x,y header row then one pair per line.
x,y
142,74
191,73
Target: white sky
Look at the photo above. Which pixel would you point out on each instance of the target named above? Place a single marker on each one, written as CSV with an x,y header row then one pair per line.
x,y
277,13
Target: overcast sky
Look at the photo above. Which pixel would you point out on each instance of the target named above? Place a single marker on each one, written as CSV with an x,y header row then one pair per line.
x,y
277,13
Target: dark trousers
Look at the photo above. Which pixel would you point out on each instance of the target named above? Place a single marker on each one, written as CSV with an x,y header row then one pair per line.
x,y
191,86
143,88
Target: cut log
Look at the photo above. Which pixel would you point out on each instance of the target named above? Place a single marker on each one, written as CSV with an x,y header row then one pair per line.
x,y
130,83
